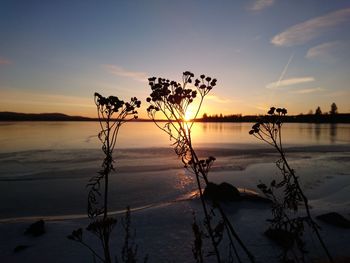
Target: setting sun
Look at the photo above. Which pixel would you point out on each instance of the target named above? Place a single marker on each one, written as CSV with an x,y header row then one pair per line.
x,y
188,115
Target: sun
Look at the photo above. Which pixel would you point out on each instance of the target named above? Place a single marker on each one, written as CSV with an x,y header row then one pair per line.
x,y
191,111
188,115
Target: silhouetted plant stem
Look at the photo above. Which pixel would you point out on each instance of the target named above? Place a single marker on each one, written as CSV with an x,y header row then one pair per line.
x,y
101,224
306,205
234,233
228,225
269,130
314,226
105,205
197,247
231,230
172,99
207,218
182,130
92,251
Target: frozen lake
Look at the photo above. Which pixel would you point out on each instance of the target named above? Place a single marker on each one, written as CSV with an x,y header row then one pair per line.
x,y
45,165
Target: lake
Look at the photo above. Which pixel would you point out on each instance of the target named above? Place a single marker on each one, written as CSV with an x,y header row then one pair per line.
x,y
24,136
45,166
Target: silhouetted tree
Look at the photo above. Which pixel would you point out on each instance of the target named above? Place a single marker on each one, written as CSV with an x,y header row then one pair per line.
x,y
318,111
334,109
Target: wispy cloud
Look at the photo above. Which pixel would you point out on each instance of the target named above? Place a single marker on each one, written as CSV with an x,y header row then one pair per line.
x,y
120,71
5,61
217,99
263,107
33,98
324,50
18,100
289,82
307,91
310,29
261,4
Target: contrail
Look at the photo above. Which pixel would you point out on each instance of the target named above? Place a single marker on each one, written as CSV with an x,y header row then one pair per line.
x,y
284,71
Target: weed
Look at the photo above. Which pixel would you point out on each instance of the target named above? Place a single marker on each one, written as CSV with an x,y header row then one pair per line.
x,y
172,100
287,224
112,113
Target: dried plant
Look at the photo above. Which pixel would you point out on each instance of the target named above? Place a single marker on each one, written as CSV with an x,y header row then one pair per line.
x,y
129,249
286,194
172,100
112,113
197,247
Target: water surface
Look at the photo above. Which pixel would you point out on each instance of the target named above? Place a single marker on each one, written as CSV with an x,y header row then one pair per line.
x,y
21,136
45,166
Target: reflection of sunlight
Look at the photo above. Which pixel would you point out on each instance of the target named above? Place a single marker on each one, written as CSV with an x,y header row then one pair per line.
x,y
184,181
196,130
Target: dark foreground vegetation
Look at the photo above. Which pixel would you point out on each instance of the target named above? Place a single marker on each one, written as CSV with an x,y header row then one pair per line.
x,y
214,234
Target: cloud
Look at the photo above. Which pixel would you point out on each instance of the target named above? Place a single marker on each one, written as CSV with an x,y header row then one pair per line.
x,y
119,71
5,61
217,99
310,29
261,4
263,107
325,50
19,100
17,96
307,91
289,82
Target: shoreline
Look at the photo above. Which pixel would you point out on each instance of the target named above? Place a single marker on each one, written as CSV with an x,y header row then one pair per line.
x,y
233,118
163,232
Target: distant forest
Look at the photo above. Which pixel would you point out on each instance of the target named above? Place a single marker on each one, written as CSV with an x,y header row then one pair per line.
x,y
323,118
15,116
328,117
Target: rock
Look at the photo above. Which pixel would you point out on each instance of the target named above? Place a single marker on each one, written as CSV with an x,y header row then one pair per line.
x,y
19,248
36,229
224,192
280,236
335,219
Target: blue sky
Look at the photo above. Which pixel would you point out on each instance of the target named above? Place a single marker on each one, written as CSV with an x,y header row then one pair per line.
x,y
55,54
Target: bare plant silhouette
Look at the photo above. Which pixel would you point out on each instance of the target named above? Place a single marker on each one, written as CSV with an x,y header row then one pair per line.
x,y
112,113
172,100
288,224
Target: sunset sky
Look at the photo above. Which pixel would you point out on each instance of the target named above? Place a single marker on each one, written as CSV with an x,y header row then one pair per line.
x,y
55,54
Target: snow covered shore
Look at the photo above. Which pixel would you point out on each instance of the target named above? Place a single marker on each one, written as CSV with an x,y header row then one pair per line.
x,y
163,232
163,224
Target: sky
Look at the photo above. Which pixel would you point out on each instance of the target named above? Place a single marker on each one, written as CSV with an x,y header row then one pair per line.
x,y
55,54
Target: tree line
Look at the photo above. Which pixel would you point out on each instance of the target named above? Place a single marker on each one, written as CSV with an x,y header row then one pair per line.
x,y
333,116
